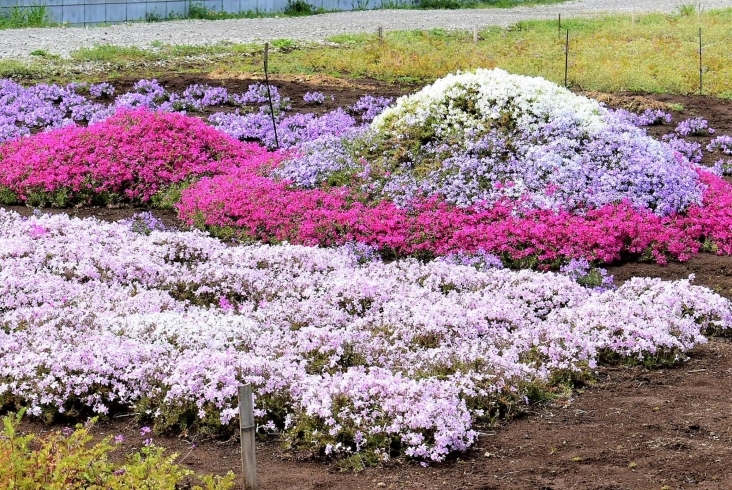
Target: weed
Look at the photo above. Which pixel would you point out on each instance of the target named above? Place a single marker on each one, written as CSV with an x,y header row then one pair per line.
x,y
19,17
70,459
297,8
152,16
686,10
109,53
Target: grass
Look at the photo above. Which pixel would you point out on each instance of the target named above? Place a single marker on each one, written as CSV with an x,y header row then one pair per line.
x,y
653,53
19,17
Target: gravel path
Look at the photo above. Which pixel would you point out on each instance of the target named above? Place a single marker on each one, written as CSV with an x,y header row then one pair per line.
x,y
18,43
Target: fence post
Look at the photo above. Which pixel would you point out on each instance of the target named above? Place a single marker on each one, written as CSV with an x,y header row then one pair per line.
x,y
700,61
559,27
566,59
247,434
269,94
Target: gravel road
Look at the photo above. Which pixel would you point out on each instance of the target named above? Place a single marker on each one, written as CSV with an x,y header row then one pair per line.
x,y
18,43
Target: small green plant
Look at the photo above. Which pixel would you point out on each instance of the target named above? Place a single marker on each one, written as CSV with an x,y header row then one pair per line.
x,y
198,11
686,10
19,17
296,8
42,53
68,460
153,16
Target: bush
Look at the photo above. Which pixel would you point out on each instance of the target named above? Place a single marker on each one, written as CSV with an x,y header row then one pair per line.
x,y
68,460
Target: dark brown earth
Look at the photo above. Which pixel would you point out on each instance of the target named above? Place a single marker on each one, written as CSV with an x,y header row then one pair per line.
x,y
634,428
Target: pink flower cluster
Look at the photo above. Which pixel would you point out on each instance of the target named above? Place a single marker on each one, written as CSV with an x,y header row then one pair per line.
x,y
270,211
133,154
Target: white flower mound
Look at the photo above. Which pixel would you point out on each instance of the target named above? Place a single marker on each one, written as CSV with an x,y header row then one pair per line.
x,y
490,136
495,93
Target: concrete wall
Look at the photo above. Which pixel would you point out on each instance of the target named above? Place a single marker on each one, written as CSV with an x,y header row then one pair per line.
x,y
90,12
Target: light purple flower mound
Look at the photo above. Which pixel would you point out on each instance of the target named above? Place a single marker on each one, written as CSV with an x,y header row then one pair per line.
x,y
96,315
488,136
313,98
291,130
696,126
722,143
369,107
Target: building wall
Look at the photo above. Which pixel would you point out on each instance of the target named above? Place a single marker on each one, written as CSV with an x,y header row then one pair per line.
x,y
90,12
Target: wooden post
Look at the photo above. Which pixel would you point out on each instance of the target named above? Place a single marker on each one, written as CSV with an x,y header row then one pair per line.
x,y
475,34
269,95
559,27
381,34
700,61
566,59
247,433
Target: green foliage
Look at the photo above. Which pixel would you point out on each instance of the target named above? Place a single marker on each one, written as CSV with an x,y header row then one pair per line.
x,y
169,196
43,53
153,16
20,17
686,10
108,53
199,11
7,196
69,460
296,8
23,70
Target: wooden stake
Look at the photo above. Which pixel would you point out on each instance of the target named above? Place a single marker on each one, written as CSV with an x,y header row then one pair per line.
x,y
566,59
700,61
559,27
247,433
475,34
381,34
269,95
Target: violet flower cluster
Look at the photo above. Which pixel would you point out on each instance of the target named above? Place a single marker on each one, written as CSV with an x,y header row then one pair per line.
x,y
721,143
696,126
314,97
365,354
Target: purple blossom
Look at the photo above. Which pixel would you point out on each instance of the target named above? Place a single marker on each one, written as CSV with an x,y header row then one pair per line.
x,y
694,127
722,143
313,97
369,106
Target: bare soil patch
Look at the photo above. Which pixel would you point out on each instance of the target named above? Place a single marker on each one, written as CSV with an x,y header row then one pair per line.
x,y
633,428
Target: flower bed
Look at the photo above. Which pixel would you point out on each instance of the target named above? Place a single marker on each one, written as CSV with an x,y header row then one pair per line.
x,y
129,157
558,177
345,354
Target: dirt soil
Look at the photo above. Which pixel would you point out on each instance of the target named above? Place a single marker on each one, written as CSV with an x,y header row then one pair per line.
x,y
634,428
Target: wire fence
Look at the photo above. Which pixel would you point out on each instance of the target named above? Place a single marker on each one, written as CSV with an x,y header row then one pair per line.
x,y
90,12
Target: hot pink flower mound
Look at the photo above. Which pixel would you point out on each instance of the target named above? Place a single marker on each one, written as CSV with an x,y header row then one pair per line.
x,y
133,155
271,211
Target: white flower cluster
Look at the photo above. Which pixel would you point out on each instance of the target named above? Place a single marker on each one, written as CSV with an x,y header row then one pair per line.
x,y
470,101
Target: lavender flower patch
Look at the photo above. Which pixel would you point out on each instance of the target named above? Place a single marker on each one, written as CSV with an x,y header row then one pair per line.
x,y
291,130
721,143
314,98
340,350
694,127
368,107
